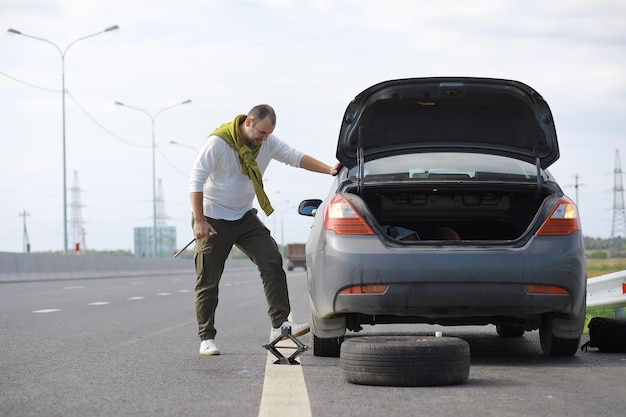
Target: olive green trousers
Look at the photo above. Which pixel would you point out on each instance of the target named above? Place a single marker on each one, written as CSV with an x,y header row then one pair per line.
x,y
253,238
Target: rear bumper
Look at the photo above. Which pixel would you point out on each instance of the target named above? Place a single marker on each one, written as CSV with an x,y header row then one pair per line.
x,y
444,283
437,300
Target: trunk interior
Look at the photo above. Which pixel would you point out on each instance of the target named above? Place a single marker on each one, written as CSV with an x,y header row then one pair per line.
x,y
409,213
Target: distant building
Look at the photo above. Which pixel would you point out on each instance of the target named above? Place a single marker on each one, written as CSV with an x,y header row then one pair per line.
x,y
166,241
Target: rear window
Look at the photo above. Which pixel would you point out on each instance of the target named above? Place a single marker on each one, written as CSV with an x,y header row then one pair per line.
x,y
442,166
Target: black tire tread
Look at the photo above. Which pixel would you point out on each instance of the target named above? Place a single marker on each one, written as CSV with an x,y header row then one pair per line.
x,y
405,360
556,346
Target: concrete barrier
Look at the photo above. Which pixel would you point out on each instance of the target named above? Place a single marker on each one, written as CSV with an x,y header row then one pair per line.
x,y
17,267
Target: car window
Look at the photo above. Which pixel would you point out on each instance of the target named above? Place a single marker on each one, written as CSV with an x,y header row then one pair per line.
x,y
447,166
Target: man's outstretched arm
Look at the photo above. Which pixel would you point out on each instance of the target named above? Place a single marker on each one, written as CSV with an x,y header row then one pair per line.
x,y
311,164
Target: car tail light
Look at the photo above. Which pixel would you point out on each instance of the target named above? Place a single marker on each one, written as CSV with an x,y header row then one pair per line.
x,y
563,220
545,289
343,219
365,289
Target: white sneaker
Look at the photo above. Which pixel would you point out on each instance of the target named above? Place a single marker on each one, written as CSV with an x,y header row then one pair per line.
x,y
296,329
207,347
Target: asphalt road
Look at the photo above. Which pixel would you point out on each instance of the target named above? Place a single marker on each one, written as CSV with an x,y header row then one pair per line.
x,y
128,347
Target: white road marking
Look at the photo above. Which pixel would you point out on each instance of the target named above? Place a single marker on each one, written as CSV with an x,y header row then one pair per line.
x,y
164,293
284,388
74,287
47,310
135,298
99,303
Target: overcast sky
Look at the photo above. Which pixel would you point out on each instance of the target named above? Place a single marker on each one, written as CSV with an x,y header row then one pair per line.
x,y
306,58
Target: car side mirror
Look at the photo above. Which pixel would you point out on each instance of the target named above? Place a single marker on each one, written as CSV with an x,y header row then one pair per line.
x,y
309,207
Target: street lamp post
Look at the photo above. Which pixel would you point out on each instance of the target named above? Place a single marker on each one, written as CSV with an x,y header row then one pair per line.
x,y
63,53
154,203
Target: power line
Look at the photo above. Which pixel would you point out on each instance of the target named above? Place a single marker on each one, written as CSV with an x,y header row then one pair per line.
x,y
101,126
29,84
82,108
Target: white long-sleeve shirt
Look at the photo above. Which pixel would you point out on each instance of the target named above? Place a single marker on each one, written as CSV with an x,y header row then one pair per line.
x,y
228,193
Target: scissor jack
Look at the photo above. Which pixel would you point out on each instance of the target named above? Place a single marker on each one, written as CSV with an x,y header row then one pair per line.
x,y
300,348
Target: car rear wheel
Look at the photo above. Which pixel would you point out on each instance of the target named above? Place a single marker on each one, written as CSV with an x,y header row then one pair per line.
x,y
510,330
330,348
405,360
553,345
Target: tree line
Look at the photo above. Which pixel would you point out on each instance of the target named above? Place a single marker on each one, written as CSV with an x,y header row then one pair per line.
x,y
599,248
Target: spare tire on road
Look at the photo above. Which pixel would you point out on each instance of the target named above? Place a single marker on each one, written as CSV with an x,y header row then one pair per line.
x,y
412,361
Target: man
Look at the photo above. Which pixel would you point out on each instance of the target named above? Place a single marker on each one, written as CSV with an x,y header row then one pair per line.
x,y
224,181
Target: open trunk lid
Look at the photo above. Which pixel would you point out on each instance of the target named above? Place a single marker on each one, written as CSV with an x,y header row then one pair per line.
x,y
485,115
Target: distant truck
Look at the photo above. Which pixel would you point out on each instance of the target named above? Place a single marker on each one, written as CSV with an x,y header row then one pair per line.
x,y
295,256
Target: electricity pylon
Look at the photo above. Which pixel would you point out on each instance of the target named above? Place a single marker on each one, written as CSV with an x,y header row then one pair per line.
x,y
618,229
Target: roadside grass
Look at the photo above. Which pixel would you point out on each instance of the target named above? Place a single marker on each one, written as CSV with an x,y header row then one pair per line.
x,y
596,267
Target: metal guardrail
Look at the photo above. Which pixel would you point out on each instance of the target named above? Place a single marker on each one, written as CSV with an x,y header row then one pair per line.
x,y
607,291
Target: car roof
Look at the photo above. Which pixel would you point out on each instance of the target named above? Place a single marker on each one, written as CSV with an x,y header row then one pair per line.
x,y
450,114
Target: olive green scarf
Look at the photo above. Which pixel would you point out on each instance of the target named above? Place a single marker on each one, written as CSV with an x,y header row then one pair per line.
x,y
231,134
